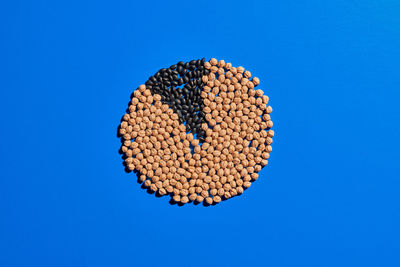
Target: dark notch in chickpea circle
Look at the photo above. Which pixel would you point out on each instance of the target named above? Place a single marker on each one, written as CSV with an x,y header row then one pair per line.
x,y
218,102
184,100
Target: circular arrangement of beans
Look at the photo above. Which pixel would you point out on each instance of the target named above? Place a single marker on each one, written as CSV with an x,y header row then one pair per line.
x,y
198,131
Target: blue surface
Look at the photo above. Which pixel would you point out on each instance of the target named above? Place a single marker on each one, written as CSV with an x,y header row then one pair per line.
x,y
329,197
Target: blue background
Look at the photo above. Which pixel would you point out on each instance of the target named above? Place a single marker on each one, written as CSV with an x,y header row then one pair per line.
x,y
329,197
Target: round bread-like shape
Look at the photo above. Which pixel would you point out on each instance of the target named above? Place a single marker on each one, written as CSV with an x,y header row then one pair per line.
x,y
198,131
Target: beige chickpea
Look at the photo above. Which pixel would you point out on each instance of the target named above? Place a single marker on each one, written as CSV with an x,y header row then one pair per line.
x,y
237,86
199,198
169,189
204,193
269,140
233,192
259,92
124,125
162,191
176,198
217,199
126,117
147,183
256,81
246,184
149,99
265,99
266,117
250,85
254,176
146,92
227,195
193,197
247,74
213,191
184,199
265,155
239,190
209,200
221,191
142,87
244,82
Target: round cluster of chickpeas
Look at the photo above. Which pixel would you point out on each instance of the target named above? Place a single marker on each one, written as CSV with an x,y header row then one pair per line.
x,y
237,143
